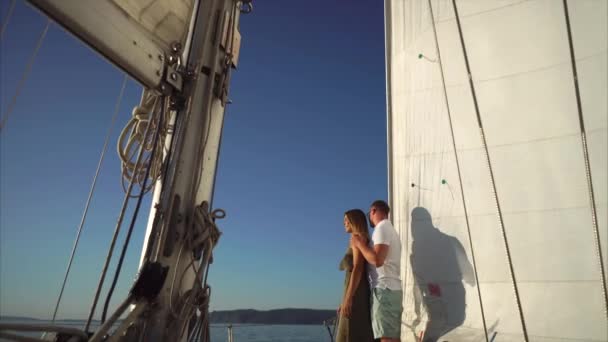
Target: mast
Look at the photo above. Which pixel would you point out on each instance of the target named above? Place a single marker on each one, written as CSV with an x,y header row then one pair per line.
x,y
170,296
183,232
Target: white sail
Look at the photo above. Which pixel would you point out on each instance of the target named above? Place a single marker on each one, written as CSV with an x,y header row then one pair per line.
x,y
449,211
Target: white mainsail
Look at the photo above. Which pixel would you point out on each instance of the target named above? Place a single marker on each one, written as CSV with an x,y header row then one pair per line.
x,y
543,181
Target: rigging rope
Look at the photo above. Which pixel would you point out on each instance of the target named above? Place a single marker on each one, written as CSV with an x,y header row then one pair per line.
x,y
466,214
142,192
138,164
489,164
25,75
7,18
581,121
91,191
127,147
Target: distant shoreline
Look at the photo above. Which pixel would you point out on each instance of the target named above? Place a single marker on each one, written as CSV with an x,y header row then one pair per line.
x,y
277,316
288,316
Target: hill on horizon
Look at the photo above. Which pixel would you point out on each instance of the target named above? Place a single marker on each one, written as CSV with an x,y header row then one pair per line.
x,y
276,316
240,316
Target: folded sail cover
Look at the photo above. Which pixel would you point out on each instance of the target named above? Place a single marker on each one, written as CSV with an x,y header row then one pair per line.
x,y
457,265
135,35
166,20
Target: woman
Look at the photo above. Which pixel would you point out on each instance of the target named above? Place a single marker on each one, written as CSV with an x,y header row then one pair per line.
x,y
355,322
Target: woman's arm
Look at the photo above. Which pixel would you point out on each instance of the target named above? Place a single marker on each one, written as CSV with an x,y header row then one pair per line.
x,y
353,284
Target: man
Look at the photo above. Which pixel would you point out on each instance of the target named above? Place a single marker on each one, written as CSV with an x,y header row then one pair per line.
x,y
384,265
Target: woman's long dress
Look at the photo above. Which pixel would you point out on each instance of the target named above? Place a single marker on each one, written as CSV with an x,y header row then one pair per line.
x,y
358,327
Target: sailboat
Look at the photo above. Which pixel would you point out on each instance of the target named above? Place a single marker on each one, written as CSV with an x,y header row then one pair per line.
x,y
497,142
182,52
497,145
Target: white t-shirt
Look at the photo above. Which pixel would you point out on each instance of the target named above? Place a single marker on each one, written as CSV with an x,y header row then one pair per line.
x,y
386,276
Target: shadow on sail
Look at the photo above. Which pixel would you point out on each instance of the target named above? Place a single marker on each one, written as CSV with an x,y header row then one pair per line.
x,y
441,268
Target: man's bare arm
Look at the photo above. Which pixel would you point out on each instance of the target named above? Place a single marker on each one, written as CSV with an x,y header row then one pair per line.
x,y
375,256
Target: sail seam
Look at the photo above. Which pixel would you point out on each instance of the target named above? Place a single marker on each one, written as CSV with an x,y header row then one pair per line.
x,y
489,164
514,212
509,75
516,143
485,12
464,205
587,162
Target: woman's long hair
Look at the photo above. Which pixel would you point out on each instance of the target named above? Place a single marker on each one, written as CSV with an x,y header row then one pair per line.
x,y
358,222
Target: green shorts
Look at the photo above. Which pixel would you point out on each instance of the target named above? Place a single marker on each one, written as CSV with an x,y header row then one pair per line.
x,y
386,312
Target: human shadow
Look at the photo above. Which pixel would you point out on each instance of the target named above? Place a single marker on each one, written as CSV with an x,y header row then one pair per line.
x,y
441,267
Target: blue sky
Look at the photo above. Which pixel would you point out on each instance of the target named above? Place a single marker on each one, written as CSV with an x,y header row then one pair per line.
x,y
304,140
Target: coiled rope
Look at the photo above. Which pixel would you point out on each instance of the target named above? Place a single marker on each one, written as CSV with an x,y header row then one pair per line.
x,y
133,136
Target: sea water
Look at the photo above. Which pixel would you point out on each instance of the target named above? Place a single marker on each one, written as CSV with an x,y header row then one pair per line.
x,y
271,333
219,332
